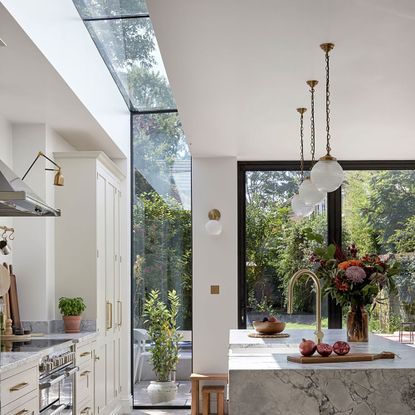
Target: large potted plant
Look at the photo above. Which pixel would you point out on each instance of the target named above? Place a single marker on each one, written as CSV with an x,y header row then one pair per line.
x,y
162,331
71,310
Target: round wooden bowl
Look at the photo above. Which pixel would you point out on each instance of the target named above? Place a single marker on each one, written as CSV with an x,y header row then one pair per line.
x,y
269,327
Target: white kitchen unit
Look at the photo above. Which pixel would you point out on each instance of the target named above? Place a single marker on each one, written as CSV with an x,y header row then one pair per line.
x,y
20,390
88,262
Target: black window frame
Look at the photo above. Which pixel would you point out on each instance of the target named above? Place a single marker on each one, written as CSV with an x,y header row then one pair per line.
x,y
334,218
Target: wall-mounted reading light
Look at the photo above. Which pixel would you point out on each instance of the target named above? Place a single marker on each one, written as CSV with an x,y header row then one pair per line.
x,y
213,226
58,180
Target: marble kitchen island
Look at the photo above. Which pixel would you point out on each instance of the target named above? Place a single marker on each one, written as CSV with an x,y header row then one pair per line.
x,y
263,382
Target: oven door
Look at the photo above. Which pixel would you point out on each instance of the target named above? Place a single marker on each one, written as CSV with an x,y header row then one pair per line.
x,y
57,393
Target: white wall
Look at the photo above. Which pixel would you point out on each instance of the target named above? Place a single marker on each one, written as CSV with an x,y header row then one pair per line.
x,y
34,246
6,155
57,30
214,185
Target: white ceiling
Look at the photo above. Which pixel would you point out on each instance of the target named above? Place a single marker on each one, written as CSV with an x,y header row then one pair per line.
x,y
238,70
31,91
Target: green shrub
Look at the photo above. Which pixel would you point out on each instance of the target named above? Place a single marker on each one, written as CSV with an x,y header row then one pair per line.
x,y
71,306
162,331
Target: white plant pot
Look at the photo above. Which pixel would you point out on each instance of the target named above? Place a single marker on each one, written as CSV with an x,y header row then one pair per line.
x,y
161,391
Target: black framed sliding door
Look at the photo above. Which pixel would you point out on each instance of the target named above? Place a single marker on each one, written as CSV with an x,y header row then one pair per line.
x,y
374,207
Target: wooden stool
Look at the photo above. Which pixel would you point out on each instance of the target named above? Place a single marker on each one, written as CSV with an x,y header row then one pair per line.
x,y
207,390
196,378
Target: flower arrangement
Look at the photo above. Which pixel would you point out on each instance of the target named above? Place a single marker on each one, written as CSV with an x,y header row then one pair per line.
x,y
353,280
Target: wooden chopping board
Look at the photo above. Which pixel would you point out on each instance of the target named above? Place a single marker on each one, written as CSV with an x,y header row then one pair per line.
x,y
4,280
14,301
350,357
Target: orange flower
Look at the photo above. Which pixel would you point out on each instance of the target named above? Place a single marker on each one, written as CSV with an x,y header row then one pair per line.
x,y
351,263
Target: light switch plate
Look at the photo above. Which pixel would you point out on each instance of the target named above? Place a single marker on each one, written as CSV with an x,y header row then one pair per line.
x,y
214,289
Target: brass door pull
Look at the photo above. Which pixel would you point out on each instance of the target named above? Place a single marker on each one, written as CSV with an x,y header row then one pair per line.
x,y
86,410
18,387
119,303
109,315
22,412
84,354
85,373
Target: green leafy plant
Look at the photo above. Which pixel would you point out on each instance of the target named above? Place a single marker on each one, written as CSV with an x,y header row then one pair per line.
x,y
162,331
71,306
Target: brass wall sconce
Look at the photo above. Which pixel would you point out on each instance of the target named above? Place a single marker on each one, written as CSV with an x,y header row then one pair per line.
x,y
213,226
58,179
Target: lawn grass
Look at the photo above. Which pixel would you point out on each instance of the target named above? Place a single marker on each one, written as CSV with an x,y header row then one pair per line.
x,y
303,326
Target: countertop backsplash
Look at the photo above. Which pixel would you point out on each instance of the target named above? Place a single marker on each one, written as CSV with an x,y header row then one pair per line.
x,y
55,326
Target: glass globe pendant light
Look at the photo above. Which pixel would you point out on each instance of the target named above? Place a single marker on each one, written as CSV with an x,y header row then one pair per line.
x,y
327,174
298,206
308,191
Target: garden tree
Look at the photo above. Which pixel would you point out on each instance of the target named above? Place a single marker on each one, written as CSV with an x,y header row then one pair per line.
x,y
358,228
403,239
272,186
164,260
149,89
276,246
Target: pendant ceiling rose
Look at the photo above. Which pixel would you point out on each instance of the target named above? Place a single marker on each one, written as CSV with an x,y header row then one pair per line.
x,y
327,47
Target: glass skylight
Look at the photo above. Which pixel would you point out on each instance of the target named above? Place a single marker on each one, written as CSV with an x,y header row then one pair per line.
x,y
129,47
98,9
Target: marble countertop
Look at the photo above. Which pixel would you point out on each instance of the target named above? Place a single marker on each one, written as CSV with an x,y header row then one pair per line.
x,y
246,353
11,360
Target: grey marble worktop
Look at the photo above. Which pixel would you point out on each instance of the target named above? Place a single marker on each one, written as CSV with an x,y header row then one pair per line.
x,y
246,353
12,360
262,381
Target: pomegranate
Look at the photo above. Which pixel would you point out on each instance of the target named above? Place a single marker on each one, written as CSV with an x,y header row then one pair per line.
x,y
341,348
307,347
324,349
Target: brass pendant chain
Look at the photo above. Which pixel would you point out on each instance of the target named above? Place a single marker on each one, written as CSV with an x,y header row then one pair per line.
x,y
302,111
312,84
328,148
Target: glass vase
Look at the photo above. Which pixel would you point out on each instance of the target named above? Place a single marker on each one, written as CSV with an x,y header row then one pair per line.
x,y
357,324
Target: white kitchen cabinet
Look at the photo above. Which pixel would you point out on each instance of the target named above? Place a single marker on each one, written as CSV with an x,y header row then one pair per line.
x,y
19,390
88,258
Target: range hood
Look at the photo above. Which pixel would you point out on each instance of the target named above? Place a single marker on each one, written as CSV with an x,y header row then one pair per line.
x,y
18,199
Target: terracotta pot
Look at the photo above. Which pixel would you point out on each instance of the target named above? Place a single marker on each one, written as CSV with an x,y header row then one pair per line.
x,y
72,324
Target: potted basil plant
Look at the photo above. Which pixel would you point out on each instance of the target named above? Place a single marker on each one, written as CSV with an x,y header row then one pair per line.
x,y
162,331
71,310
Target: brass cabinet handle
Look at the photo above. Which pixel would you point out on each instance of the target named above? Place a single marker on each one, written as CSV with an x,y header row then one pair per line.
x,y
22,412
86,410
109,315
84,354
18,387
96,357
85,373
119,303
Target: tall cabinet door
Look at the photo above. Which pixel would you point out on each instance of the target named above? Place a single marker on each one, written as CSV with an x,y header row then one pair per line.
x,y
110,256
100,377
101,253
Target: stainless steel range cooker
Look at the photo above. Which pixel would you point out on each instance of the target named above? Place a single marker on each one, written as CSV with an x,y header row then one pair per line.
x,y
56,375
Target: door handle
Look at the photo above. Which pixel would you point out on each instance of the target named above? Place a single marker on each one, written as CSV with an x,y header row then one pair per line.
x,y
70,372
119,303
18,387
58,410
22,412
85,373
52,382
84,354
109,315
86,410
